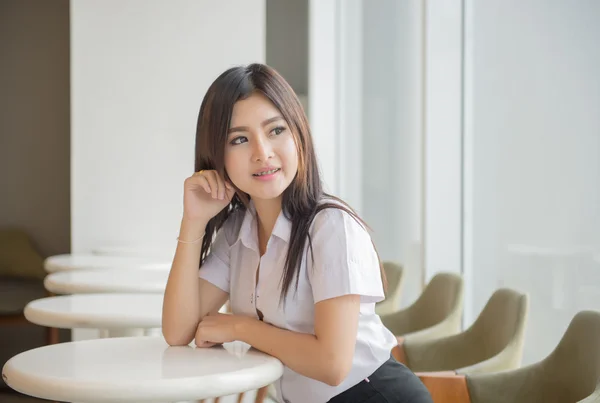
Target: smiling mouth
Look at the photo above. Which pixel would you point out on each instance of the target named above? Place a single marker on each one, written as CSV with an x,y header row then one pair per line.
x,y
272,171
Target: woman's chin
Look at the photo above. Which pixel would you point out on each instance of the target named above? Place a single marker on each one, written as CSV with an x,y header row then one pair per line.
x,y
266,194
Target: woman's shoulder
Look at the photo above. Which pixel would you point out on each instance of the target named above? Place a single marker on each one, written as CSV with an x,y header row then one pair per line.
x,y
334,214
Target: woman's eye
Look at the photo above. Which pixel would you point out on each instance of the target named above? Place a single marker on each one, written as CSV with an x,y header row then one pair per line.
x,y
278,130
239,140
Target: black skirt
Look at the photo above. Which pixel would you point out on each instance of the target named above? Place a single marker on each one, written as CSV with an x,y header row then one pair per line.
x,y
393,382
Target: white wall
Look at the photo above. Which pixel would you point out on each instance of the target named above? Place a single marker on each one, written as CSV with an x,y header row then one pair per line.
x,y
139,70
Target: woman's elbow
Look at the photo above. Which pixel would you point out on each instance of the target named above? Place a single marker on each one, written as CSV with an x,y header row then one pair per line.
x,y
176,338
337,373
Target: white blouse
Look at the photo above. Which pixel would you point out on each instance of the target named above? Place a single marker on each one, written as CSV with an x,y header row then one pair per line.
x,y
345,263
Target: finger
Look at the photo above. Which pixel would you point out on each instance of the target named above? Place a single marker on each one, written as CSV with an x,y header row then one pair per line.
x,y
200,338
222,187
221,184
229,192
211,177
199,179
204,344
203,182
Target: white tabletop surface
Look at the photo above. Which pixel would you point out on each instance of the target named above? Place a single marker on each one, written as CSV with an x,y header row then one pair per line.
x,y
107,281
97,311
134,251
70,262
138,369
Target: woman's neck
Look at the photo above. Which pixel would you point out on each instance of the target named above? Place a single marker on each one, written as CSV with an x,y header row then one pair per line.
x,y
267,212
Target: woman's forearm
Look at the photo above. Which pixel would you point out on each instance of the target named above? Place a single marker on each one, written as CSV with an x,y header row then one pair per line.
x,y
182,303
303,353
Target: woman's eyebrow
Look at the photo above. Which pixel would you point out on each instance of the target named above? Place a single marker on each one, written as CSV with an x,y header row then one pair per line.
x,y
246,128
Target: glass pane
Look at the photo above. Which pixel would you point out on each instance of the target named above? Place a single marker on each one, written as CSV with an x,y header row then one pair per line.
x,y
533,127
391,154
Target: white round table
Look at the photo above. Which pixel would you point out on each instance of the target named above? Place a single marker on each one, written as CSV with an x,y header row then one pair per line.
x,y
134,251
117,314
69,262
138,369
107,281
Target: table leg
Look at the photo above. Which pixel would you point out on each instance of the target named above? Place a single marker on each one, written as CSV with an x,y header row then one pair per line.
x,y
53,335
261,394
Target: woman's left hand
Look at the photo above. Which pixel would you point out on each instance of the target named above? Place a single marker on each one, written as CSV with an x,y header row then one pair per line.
x,y
219,328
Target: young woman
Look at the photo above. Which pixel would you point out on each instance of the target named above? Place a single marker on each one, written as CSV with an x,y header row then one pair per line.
x,y
297,265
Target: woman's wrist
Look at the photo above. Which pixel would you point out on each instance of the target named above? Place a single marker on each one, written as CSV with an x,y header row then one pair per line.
x,y
242,327
191,230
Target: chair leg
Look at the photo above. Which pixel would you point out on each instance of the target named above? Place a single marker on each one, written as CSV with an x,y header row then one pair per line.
x,y
240,397
261,394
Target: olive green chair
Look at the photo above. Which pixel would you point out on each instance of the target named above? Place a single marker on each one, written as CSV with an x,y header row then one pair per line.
x,y
569,374
494,342
394,274
436,313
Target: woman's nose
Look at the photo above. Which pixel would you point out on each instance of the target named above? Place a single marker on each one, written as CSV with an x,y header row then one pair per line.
x,y
262,150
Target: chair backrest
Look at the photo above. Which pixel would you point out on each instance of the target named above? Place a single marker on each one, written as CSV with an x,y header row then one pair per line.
x,y
494,342
497,336
569,374
394,274
575,362
441,298
594,397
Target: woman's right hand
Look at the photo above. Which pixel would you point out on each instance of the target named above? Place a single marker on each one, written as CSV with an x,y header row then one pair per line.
x,y
205,194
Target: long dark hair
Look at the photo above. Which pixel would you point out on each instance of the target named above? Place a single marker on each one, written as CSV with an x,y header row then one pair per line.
x,y
304,197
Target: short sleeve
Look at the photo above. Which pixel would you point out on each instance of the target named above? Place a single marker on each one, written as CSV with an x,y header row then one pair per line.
x,y
215,269
345,261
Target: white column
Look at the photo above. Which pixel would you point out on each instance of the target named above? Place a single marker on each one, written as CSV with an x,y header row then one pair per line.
x,y
443,137
322,87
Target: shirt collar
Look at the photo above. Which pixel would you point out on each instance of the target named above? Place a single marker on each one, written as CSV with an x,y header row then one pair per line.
x,y
248,235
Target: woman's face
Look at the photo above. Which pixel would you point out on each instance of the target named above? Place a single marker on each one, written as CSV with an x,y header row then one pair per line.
x,y
261,158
